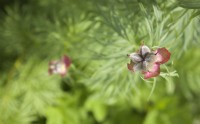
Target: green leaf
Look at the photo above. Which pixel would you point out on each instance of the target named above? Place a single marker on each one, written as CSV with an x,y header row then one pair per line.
x,y
189,4
98,108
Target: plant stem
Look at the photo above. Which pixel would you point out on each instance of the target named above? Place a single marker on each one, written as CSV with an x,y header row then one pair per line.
x,y
153,88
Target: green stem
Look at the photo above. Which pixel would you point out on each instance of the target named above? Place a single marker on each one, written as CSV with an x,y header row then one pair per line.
x,y
153,88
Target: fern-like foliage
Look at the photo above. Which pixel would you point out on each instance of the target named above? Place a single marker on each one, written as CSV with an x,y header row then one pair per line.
x,y
97,36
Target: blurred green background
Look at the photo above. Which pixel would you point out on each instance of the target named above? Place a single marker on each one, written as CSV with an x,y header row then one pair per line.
x,y
97,35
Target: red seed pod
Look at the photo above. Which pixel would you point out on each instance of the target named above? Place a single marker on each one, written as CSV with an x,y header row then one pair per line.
x,y
148,62
59,66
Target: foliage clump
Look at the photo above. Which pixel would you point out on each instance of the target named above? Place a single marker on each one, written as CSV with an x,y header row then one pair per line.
x,y
98,87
